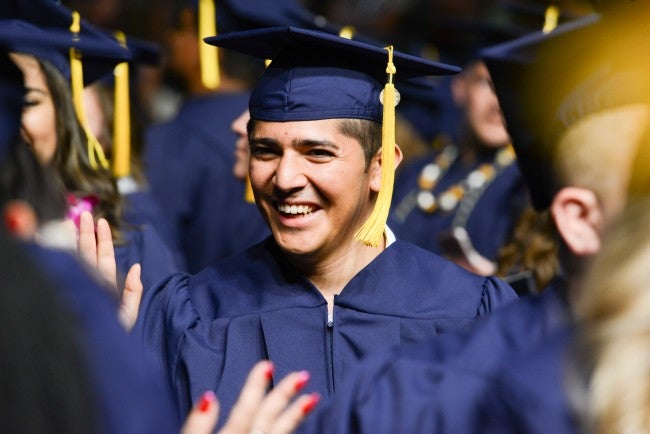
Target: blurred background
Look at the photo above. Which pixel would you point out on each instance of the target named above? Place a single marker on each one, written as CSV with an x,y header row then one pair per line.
x,y
442,30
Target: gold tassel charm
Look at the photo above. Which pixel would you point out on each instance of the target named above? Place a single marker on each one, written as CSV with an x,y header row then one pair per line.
x,y
371,232
77,87
551,17
122,118
210,74
347,32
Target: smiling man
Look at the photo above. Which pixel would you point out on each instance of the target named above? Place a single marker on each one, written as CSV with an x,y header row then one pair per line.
x,y
320,293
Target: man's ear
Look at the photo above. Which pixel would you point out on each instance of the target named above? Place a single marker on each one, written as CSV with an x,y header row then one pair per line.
x,y
579,219
375,168
20,220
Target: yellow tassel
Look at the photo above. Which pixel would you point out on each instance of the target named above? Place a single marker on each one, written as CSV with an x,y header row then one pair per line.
x,y
248,191
122,118
551,17
347,32
77,85
371,232
209,55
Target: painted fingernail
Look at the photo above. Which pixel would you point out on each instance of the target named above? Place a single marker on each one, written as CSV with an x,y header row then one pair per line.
x,y
207,399
269,370
309,405
303,378
11,223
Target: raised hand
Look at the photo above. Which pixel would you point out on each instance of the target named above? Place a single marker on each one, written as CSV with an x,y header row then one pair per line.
x,y
96,249
257,411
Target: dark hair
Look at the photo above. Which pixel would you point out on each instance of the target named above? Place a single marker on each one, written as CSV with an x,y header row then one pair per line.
x,y
23,178
71,159
366,132
43,377
533,247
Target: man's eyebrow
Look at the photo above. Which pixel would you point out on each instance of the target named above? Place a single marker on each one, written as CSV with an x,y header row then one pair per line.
x,y
312,143
263,141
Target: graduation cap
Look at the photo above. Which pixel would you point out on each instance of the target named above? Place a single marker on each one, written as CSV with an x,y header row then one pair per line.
x,y
548,82
12,92
314,75
226,16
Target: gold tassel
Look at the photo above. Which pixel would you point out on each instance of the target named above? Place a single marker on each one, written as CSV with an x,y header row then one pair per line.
x,y
371,232
347,32
248,191
209,55
77,85
551,17
122,118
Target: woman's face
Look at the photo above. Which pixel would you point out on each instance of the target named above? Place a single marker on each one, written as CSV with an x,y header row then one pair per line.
x,y
39,115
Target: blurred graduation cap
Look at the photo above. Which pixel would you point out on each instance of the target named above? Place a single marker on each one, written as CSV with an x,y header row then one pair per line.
x,y
51,32
315,75
547,82
12,92
217,17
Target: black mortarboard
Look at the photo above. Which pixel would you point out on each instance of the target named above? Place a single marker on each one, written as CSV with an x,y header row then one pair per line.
x,y
546,82
315,75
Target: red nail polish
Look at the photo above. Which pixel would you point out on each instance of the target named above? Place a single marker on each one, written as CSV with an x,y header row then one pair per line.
x,y
11,223
303,378
309,405
207,399
269,371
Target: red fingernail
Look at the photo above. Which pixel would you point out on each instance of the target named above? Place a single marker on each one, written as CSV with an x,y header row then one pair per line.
x,y
269,370
11,223
309,405
207,399
303,378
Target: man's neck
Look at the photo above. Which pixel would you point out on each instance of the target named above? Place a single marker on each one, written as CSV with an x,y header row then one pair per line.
x,y
330,275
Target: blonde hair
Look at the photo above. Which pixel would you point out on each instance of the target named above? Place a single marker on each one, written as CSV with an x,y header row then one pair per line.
x,y
612,349
603,166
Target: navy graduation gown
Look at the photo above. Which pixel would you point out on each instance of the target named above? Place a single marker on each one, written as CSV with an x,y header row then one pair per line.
x,y
438,386
188,163
213,327
143,245
141,208
490,222
128,396
529,396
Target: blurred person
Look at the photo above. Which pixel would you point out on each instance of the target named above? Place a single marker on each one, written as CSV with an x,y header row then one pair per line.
x,y
590,377
52,126
327,287
473,186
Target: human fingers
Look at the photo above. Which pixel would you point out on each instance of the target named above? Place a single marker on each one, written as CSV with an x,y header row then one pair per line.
x,y
131,298
243,413
105,253
279,399
87,241
204,415
288,420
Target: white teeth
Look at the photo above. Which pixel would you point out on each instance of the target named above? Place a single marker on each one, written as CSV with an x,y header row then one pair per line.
x,y
294,209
